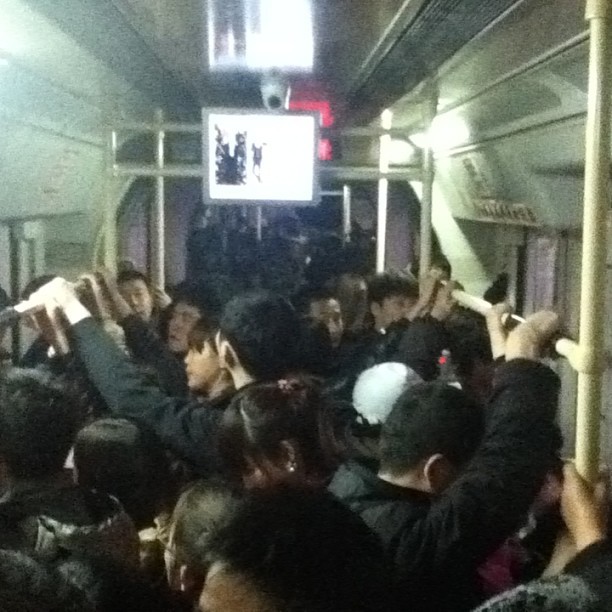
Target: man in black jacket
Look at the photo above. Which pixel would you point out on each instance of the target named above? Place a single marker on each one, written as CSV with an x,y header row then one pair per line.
x,y
257,341
445,497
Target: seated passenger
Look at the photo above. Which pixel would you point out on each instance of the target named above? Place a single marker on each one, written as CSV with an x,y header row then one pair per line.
x,y
445,496
258,340
279,433
198,513
205,376
305,553
41,511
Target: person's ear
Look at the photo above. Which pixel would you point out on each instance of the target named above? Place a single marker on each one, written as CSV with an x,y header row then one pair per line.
x,y
228,360
438,473
375,309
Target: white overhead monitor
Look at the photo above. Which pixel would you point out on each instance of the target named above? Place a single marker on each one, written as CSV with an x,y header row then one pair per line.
x,y
260,157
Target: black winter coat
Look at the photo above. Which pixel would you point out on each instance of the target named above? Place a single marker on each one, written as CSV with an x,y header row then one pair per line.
x,y
185,426
438,543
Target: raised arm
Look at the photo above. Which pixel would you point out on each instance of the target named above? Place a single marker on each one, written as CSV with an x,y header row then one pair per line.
x,y
489,499
187,428
144,342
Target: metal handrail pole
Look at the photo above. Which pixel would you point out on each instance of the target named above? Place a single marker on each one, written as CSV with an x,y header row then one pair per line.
x,y
596,202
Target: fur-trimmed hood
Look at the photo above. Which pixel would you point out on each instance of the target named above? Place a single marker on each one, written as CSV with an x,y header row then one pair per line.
x,y
53,522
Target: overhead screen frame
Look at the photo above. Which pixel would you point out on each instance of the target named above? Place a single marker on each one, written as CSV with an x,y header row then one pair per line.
x,y
208,159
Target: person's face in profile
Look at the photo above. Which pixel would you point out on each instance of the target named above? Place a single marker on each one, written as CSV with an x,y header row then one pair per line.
x,y
183,318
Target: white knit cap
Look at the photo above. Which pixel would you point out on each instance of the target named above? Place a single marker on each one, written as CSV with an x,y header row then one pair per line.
x,y
378,388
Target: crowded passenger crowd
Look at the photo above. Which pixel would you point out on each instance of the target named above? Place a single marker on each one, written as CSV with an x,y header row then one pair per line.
x,y
360,445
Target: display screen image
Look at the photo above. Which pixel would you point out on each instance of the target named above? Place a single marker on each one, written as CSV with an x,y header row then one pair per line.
x,y
260,157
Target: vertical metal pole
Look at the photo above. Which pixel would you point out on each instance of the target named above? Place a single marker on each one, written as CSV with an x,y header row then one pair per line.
x,y
596,202
259,223
346,213
427,195
386,121
158,246
110,221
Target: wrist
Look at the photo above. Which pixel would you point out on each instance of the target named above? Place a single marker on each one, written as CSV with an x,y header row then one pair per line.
x,y
74,311
587,537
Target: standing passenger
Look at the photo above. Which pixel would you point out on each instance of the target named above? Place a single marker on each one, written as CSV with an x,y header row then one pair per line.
x,y
446,497
258,340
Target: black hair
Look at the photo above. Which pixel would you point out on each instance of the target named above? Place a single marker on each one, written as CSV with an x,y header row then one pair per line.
x,y
200,510
386,285
427,419
201,333
29,586
199,295
126,276
441,261
262,416
127,461
306,551
38,421
469,341
317,352
309,294
264,331
498,291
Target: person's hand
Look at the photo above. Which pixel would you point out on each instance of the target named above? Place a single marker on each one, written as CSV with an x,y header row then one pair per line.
x,y
60,296
57,293
428,286
495,326
120,309
497,312
444,302
93,297
584,508
528,339
160,298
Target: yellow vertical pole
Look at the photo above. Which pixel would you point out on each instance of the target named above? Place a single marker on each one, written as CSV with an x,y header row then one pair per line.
x,y
109,235
386,121
596,203
346,213
427,195
158,221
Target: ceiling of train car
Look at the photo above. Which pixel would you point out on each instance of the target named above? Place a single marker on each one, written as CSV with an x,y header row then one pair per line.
x,y
368,54
347,35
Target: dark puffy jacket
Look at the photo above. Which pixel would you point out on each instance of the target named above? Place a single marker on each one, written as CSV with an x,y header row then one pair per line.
x,y
438,543
53,522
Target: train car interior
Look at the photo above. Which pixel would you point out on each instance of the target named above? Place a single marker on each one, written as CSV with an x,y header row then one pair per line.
x,y
467,128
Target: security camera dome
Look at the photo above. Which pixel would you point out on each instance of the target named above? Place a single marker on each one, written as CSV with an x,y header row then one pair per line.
x,y
275,91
